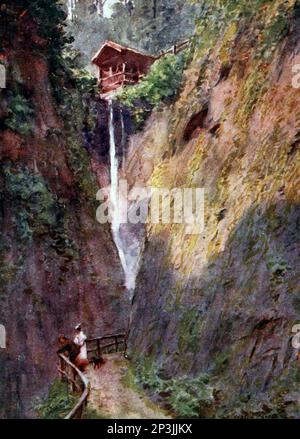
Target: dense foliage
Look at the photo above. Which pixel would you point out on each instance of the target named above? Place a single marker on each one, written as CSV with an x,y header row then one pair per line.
x,y
58,403
154,25
39,26
20,113
150,26
188,397
160,85
47,17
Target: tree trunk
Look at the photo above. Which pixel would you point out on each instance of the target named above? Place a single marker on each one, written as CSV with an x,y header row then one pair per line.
x,y
100,5
154,8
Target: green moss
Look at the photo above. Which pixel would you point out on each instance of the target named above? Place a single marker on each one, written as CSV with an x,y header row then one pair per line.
x,y
75,112
229,36
221,362
275,31
189,331
252,90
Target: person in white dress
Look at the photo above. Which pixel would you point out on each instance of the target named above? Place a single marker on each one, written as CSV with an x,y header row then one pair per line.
x,y
80,340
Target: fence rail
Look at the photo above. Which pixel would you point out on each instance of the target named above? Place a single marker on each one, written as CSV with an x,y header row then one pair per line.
x,y
106,344
177,47
116,80
70,372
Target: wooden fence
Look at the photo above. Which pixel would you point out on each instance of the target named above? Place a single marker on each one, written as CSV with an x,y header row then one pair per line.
x,y
78,382
177,47
107,344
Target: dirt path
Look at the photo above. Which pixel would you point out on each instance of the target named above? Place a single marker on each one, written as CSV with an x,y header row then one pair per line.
x,y
112,395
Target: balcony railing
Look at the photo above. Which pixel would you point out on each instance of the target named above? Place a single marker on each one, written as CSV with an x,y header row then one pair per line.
x,y
119,79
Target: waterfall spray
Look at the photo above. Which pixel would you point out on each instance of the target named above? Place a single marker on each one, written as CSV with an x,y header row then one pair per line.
x,y
71,7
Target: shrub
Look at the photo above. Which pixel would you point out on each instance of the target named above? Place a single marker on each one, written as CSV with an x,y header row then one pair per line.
x,y
189,396
160,85
186,396
20,114
58,403
35,208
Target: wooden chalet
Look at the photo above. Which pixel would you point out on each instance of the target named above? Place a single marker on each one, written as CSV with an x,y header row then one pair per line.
x,y
119,66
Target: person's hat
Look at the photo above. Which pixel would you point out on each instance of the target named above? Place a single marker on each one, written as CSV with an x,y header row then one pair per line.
x,y
77,327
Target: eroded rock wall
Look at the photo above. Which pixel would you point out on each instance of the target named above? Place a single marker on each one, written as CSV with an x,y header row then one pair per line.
x,y
58,265
224,302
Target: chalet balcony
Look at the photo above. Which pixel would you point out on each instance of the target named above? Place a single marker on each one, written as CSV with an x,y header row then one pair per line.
x,y
113,81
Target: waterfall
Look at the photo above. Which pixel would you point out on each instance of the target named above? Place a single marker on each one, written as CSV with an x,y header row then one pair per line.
x,y
123,140
125,237
114,192
71,5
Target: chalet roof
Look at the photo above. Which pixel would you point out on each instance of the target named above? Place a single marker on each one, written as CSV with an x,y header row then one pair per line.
x,y
104,53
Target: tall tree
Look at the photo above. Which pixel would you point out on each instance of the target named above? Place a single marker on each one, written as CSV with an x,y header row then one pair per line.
x,y
154,8
100,6
154,25
148,25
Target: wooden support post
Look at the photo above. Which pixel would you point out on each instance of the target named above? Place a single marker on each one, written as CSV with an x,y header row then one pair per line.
x,y
116,341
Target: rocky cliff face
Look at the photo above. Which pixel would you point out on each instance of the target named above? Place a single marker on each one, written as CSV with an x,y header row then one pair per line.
x,y
224,302
58,265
